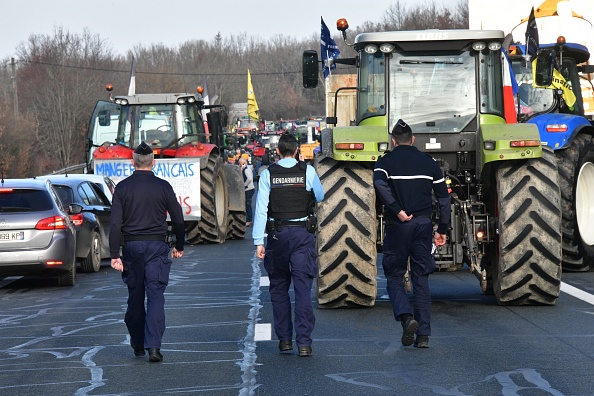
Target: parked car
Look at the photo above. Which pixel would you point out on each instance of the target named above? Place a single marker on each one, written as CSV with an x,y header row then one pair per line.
x,y
92,224
104,182
37,236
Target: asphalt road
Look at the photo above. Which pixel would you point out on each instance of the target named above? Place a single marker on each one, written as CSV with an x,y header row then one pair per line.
x,y
72,341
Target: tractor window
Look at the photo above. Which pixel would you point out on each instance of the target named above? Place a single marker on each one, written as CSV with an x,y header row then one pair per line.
x,y
533,100
372,86
192,125
433,92
491,92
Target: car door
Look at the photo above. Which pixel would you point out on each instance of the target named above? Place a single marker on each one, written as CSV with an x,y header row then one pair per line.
x,y
99,204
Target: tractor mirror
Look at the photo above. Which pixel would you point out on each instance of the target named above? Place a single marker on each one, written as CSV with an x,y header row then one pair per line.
x,y
310,69
587,69
544,68
104,118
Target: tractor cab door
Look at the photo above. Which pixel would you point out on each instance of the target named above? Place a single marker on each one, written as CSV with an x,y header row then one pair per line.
x,y
103,126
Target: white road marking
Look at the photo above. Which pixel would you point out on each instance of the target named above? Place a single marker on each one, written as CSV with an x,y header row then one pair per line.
x,y
263,332
577,293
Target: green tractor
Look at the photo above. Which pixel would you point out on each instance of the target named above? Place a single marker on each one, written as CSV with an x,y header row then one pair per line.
x,y
448,85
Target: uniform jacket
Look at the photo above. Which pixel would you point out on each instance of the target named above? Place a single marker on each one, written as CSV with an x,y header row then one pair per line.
x,y
404,180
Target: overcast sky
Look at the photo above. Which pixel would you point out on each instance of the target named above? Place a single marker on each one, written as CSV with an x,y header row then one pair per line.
x,y
124,24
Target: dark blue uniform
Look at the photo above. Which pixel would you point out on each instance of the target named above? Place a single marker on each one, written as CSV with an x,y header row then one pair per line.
x,y
139,216
404,180
290,250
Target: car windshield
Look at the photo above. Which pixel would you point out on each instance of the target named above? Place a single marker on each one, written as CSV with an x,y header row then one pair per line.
x,y
433,92
24,200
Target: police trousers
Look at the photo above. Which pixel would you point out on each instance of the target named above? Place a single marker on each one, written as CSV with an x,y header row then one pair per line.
x,y
291,256
146,272
412,239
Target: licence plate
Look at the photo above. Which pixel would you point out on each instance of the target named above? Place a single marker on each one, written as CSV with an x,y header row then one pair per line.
x,y
12,236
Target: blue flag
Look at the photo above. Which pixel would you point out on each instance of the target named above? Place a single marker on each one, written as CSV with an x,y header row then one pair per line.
x,y
329,50
531,37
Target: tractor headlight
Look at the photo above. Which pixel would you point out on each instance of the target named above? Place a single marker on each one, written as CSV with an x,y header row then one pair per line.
x,y
494,46
478,46
386,48
371,48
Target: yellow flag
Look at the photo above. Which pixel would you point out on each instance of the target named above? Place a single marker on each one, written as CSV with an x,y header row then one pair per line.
x,y
559,82
252,105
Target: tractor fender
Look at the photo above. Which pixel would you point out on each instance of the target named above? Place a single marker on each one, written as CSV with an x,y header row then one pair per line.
x,y
502,135
573,125
235,188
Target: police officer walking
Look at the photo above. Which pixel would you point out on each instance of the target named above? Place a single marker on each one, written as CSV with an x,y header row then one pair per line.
x,y
404,180
286,193
139,218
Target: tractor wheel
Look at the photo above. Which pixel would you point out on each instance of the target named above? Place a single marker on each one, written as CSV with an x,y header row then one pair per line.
x,y
236,229
576,177
214,202
528,245
92,263
346,236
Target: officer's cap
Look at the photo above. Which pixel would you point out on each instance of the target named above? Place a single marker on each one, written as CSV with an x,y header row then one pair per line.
x,y
143,149
401,128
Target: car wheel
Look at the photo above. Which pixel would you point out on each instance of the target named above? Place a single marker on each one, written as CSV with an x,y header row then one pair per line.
x,y
92,263
68,278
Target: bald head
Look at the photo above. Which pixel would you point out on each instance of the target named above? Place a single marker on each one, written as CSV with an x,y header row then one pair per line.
x,y
242,161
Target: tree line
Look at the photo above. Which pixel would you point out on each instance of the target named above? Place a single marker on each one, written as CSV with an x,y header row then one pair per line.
x,y
48,96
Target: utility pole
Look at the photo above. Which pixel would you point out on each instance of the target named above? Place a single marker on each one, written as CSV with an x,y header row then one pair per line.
x,y
14,90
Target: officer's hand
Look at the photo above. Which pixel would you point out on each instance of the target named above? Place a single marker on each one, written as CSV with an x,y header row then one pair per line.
x,y
440,239
117,264
260,251
402,216
176,253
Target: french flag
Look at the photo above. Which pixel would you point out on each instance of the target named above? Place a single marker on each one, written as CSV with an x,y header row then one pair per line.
x,y
510,90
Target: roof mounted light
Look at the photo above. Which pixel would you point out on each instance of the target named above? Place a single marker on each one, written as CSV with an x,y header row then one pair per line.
x,y
478,46
342,24
371,48
122,102
386,48
495,46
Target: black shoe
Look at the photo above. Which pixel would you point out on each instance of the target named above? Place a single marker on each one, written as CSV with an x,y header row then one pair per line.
x,y
409,326
305,351
422,341
138,351
155,355
284,346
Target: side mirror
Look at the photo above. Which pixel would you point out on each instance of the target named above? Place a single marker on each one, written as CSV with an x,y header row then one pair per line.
x,y
544,68
75,208
310,69
586,69
104,118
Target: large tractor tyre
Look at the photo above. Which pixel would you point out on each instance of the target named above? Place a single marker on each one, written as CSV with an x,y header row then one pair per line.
x,y
346,236
528,250
214,204
237,210
236,229
92,263
576,177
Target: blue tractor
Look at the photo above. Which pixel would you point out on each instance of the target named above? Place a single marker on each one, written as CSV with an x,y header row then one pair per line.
x,y
549,96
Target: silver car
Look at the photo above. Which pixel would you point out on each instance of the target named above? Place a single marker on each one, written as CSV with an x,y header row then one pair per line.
x,y
37,236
